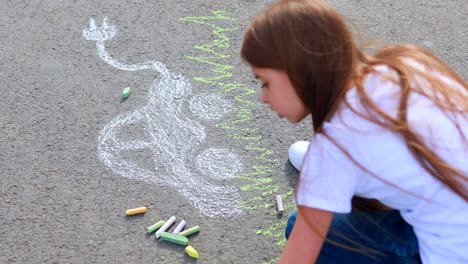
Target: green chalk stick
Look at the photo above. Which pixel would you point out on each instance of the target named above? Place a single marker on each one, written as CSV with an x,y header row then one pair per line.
x,y
189,231
154,227
126,92
181,240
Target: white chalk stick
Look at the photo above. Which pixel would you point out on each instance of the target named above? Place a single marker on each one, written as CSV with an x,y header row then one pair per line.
x,y
179,227
165,226
279,203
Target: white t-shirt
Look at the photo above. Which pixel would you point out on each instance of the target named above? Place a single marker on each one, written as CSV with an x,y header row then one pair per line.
x,y
329,179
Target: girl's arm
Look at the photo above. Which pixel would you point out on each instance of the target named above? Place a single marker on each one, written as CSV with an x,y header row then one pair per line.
x,y
307,236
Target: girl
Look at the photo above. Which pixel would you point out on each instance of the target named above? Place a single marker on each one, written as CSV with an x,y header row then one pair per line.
x,y
390,140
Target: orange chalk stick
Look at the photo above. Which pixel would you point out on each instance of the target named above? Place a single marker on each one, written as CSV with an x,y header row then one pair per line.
x,y
139,210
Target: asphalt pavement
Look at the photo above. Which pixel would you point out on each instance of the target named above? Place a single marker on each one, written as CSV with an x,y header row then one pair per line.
x,y
191,140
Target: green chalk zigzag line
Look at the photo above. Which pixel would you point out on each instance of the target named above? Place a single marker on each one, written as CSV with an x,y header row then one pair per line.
x,y
257,180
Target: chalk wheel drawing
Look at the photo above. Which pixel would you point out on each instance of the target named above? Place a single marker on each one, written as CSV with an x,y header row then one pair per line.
x,y
173,138
219,163
209,106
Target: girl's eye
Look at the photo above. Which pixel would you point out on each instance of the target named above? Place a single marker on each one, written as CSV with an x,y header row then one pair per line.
x,y
264,85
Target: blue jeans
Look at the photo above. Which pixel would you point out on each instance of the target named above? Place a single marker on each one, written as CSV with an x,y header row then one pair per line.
x,y
384,235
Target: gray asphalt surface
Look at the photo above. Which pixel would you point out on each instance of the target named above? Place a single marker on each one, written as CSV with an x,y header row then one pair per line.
x,y
60,203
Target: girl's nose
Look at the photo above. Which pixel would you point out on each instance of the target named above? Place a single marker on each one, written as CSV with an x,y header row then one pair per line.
x,y
264,98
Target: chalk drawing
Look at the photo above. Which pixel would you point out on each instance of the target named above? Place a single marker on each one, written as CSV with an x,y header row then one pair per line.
x,y
257,178
173,138
210,106
218,163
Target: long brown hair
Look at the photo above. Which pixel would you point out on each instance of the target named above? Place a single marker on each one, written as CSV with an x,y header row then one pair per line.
x,y
309,40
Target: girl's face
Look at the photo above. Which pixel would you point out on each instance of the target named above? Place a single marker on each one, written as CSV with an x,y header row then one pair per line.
x,y
279,93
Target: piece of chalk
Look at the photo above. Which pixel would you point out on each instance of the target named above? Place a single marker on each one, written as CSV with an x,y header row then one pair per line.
x,y
279,203
165,226
126,92
139,210
189,231
192,252
179,227
181,240
154,227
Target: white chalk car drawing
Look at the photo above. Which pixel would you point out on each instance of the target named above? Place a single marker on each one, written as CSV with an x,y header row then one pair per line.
x,y
173,138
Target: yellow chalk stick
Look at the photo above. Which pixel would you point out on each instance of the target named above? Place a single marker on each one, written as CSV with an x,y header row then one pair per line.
x,y
192,252
139,210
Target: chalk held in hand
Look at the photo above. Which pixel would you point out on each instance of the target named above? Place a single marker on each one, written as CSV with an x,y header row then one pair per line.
x,y
165,226
126,92
139,210
154,227
189,231
279,203
179,227
181,240
192,252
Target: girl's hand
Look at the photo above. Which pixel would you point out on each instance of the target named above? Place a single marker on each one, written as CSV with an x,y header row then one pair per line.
x,y
307,236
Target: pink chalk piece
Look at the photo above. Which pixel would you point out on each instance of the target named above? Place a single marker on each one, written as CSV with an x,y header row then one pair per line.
x,y
179,227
